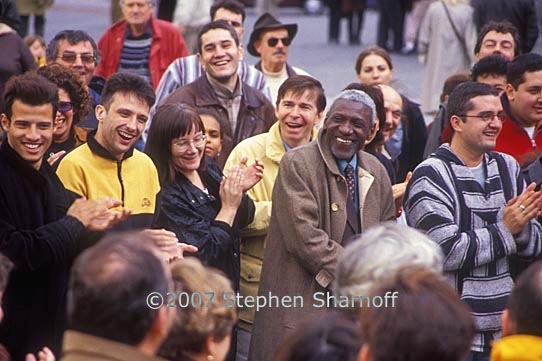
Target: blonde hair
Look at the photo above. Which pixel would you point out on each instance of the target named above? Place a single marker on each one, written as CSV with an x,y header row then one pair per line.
x,y
212,317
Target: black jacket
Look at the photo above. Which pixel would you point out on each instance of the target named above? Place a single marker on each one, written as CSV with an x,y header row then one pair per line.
x,y
38,237
521,13
183,208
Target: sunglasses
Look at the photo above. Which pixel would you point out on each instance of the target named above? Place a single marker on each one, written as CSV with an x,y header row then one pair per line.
x,y
64,107
70,57
274,41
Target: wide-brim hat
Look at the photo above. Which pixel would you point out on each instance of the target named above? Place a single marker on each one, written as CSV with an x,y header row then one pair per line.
x,y
268,22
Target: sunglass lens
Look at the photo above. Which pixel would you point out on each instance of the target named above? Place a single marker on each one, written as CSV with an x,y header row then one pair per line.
x,y
69,58
87,58
286,41
272,41
64,107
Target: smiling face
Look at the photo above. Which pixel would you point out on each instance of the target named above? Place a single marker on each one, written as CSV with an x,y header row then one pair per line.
x,y
495,43
526,101
219,55
187,151
297,115
30,130
120,127
273,57
473,135
393,107
63,120
348,126
375,70
83,69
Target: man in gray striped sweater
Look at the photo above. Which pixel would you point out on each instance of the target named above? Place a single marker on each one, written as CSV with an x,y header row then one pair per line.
x,y
474,203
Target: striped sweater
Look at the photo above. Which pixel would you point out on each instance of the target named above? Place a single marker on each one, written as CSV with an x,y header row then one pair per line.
x,y
444,200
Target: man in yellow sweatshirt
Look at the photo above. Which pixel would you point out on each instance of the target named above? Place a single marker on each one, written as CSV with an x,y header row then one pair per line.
x,y
522,320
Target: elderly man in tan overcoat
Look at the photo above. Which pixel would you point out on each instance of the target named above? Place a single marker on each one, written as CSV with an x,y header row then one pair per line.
x,y
325,192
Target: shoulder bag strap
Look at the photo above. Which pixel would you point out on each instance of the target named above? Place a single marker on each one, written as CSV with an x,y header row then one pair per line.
x,y
454,28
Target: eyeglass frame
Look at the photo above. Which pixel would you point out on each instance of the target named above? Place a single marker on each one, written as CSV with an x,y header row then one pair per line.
x,y
273,41
70,107
486,118
91,57
197,143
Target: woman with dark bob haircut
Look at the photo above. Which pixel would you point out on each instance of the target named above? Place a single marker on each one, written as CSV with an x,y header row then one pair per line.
x,y
202,206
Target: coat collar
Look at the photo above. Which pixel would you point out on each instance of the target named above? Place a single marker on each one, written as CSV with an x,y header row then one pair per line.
x,y
98,149
23,168
206,95
274,147
78,345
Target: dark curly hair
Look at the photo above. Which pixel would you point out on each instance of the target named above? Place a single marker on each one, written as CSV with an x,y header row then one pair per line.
x,y
66,79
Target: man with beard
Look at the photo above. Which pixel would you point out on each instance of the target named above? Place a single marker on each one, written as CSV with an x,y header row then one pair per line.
x,y
244,111
325,192
474,203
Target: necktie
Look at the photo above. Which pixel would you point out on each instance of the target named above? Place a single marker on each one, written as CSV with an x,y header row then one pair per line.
x,y
350,182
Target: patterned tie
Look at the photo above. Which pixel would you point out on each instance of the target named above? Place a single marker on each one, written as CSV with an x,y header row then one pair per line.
x,y
350,182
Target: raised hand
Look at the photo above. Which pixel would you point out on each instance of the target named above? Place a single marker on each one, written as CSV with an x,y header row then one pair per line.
x,y
521,209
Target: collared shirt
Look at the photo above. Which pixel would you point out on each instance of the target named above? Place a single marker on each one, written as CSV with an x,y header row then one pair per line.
x,y
134,56
228,99
354,163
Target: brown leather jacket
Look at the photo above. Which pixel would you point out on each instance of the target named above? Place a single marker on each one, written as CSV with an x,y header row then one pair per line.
x,y
256,113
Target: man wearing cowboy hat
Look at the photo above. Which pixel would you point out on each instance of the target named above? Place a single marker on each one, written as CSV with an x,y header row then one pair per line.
x,y
270,40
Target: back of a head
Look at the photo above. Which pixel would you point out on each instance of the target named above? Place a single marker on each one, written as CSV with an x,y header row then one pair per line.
x,y
208,313
451,83
525,302
428,322
109,286
333,337
522,64
126,83
379,253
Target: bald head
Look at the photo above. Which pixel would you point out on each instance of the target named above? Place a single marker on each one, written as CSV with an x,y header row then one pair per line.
x,y
393,108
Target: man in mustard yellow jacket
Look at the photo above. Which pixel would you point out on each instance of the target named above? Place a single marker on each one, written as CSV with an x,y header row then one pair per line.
x,y
300,106
522,320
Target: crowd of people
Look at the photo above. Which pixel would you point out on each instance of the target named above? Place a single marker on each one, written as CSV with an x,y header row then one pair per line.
x,y
157,204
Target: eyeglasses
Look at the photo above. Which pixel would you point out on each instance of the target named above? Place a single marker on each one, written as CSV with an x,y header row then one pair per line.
x,y
184,144
70,57
486,116
272,42
64,107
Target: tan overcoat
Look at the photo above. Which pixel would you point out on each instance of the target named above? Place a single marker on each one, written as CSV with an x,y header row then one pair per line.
x,y
305,235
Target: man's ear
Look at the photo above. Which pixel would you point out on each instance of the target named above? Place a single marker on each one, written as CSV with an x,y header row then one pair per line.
x,y
507,324
372,136
456,123
241,52
365,353
510,92
200,59
4,120
100,112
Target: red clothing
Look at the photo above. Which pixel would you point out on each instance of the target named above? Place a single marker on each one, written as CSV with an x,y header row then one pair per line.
x,y
167,45
515,140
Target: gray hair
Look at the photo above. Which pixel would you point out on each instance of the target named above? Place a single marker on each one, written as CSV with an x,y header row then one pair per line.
x,y
357,96
379,253
149,2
